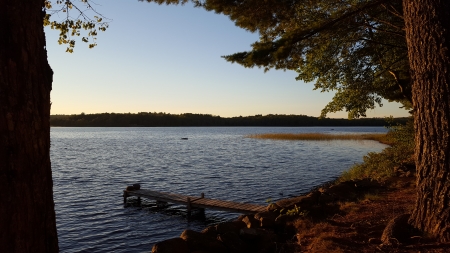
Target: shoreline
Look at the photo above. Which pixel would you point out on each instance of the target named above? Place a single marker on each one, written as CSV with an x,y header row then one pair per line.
x,y
348,216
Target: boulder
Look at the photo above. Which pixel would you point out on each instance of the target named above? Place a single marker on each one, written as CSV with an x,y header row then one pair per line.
x,y
266,241
273,207
210,231
230,227
249,234
251,222
130,188
233,242
242,216
266,219
175,245
197,241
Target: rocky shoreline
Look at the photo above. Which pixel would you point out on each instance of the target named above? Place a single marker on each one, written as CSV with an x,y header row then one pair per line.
x,y
272,230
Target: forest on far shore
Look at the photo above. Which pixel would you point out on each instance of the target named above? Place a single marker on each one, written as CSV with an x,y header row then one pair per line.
x,y
149,119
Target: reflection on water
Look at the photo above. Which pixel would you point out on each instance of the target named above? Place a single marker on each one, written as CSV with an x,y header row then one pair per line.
x,y
92,166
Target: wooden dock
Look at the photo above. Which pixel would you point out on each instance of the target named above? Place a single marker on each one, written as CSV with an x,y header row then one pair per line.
x,y
192,202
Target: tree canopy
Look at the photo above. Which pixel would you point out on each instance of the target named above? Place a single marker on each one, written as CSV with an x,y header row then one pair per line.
x,y
77,18
355,48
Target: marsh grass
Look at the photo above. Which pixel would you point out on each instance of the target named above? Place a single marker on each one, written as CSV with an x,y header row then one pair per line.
x,y
320,137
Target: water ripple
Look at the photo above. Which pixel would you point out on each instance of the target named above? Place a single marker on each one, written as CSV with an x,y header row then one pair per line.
x,y
91,167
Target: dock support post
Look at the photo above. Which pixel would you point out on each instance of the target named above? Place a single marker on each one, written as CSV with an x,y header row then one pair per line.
x,y
125,195
139,201
189,207
202,210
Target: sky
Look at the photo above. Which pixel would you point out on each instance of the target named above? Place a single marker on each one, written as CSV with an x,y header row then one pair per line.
x,y
159,58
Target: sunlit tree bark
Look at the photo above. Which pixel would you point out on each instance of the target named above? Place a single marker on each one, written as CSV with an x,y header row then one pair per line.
x,y
428,38
27,216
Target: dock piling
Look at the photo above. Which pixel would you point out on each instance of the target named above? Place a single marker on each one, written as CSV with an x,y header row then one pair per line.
x,y
125,195
189,207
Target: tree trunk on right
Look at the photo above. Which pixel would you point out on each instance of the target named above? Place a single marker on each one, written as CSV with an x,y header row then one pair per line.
x,y
428,38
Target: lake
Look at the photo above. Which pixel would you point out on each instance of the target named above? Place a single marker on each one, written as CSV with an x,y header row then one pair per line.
x,y
92,166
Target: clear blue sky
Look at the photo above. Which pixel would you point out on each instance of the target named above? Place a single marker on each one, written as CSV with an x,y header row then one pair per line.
x,y
167,59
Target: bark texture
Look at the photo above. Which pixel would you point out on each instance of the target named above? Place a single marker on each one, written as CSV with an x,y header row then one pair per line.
x,y
428,38
27,216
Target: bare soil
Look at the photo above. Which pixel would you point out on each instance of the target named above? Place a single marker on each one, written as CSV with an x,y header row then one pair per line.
x,y
358,226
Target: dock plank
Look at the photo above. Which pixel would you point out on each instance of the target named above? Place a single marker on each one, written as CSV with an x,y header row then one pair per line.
x,y
196,202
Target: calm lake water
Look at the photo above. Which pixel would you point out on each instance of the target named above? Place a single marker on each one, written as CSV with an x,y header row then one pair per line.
x,y
92,166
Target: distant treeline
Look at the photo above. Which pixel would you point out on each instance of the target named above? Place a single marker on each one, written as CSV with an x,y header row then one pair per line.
x,y
148,119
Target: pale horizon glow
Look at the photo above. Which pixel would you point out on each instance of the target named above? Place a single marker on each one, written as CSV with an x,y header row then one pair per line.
x,y
167,59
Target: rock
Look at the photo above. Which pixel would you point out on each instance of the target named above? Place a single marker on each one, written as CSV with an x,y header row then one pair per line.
x,y
263,214
251,222
197,241
249,234
273,207
259,240
266,219
230,227
210,231
397,231
242,216
233,242
130,188
136,186
175,245
267,235
267,241
267,222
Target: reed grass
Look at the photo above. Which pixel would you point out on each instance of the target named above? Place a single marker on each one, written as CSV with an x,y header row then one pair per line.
x,y
320,137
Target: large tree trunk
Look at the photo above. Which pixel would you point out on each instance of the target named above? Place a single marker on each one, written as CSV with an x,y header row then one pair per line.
x,y
27,216
428,38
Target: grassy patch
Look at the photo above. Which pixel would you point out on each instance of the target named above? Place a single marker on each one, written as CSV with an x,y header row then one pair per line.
x,y
381,165
319,137
372,197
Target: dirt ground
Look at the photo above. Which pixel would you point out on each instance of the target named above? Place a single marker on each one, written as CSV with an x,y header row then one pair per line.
x,y
358,226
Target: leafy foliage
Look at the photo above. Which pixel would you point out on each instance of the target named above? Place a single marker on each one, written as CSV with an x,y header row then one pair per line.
x,y
354,47
71,26
381,165
296,212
